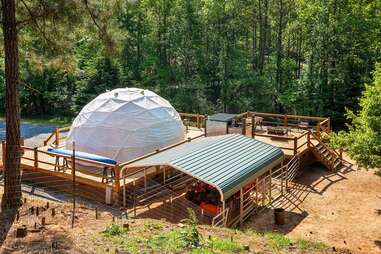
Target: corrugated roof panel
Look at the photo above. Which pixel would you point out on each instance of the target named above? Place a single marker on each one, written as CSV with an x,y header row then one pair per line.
x,y
227,162
222,117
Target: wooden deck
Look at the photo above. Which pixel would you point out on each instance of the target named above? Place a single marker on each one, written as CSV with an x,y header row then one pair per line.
x,y
40,160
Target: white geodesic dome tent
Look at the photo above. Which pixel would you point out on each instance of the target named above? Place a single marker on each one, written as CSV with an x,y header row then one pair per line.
x,y
124,124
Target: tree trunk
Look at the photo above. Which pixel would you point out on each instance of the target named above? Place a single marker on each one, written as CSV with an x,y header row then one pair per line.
x,y
12,187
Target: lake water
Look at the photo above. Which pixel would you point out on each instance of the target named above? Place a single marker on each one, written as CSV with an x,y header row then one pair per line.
x,y
28,130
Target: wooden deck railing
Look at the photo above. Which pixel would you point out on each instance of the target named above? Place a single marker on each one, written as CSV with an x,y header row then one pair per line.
x,y
56,136
195,120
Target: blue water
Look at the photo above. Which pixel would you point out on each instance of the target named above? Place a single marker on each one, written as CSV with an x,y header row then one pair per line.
x,y
28,130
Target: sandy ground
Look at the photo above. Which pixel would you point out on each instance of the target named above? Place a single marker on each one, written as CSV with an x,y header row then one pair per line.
x,y
342,210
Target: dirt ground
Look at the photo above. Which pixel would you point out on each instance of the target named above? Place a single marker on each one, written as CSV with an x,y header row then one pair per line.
x,y
340,209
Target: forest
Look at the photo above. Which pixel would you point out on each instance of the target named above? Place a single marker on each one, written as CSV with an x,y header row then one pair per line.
x,y
287,56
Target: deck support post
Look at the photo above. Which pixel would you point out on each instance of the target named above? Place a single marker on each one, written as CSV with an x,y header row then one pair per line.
x,y
116,188
241,207
198,121
295,145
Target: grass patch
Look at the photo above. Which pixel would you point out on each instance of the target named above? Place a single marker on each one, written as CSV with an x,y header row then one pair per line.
x,y
172,241
114,230
152,225
310,245
224,245
278,240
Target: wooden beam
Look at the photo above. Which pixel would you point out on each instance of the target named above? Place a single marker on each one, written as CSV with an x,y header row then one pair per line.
x,y
241,207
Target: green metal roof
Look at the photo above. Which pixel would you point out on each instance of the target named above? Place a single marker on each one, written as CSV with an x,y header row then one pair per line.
x,y
226,162
222,117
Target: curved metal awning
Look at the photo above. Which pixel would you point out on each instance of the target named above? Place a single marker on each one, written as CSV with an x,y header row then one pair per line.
x,y
226,162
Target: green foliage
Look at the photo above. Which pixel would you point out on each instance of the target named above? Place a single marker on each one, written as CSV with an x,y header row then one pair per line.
x,y
114,230
106,77
363,140
190,235
305,57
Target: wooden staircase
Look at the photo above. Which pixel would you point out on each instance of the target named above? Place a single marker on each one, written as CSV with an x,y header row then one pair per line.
x,y
326,155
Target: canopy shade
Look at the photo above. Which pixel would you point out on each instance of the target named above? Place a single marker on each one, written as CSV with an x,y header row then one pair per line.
x,y
226,162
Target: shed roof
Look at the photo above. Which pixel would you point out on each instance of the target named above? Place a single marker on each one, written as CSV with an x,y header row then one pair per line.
x,y
222,117
226,162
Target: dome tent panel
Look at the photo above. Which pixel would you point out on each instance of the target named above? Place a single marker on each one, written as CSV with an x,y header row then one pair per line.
x,y
126,123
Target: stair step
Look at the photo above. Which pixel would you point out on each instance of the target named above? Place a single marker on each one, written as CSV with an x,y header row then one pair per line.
x,y
337,164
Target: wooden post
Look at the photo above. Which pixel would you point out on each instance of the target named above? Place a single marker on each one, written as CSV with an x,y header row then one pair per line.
x,y
253,125
256,190
205,120
57,134
223,212
35,158
198,121
244,127
281,179
285,123
74,189
270,198
329,125
117,178
295,145
134,198
318,130
145,180
308,139
241,207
